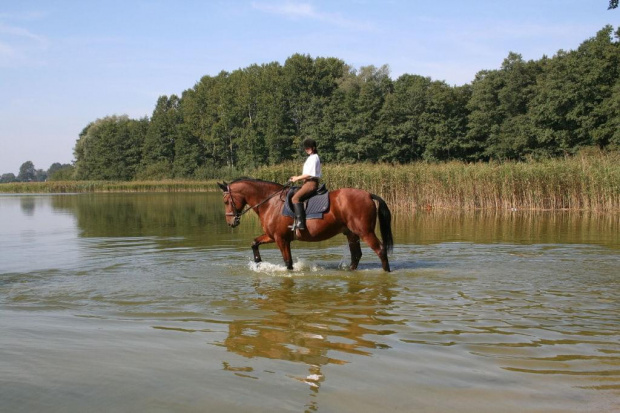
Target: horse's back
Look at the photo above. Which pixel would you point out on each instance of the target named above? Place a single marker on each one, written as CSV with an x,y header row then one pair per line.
x,y
352,202
350,194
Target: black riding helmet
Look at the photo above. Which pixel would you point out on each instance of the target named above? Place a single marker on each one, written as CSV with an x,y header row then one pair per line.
x,y
310,144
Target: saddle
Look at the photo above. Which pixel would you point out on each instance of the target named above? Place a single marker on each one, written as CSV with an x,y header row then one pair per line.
x,y
315,206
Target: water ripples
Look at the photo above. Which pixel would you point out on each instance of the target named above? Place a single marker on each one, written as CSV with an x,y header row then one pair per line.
x,y
506,323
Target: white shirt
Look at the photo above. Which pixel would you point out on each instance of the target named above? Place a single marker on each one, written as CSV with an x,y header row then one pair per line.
x,y
312,166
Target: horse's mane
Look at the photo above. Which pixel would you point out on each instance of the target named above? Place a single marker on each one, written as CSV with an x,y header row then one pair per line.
x,y
246,178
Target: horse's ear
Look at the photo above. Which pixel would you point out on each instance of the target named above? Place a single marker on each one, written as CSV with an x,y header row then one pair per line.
x,y
223,187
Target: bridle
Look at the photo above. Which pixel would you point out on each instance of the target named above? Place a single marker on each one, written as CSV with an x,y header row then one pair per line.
x,y
237,214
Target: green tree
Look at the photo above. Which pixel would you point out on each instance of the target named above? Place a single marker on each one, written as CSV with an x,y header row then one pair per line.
x,y
110,148
299,82
613,124
226,130
485,116
401,117
8,178
54,167
574,94
443,125
198,111
604,79
251,150
159,143
273,123
355,112
516,135
188,153
27,172
308,85
40,175
203,112
60,172
338,134
375,85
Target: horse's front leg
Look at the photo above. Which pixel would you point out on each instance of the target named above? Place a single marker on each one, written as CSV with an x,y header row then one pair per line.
x,y
285,249
263,239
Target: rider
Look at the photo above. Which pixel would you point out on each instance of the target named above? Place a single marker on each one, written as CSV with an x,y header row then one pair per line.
x,y
310,175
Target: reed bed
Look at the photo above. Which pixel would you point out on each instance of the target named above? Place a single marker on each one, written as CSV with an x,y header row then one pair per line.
x,y
583,182
61,187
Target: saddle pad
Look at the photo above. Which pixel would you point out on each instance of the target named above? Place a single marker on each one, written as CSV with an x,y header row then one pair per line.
x,y
315,207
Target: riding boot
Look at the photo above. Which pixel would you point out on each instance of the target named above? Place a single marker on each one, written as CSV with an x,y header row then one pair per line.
x,y
300,215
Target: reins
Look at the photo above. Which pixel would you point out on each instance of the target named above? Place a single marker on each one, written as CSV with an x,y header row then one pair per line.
x,y
238,214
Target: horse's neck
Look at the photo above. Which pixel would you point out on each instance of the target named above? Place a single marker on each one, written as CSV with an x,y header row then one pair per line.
x,y
257,193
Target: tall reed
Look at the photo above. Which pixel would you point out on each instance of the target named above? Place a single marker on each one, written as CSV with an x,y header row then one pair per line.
x,y
108,186
586,181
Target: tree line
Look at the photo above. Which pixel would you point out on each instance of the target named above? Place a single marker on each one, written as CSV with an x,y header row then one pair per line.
x,y
28,173
259,115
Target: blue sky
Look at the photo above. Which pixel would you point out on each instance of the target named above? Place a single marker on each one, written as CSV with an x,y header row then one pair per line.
x,y
64,64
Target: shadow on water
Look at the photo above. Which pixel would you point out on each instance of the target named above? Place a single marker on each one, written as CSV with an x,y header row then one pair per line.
x,y
28,205
189,219
199,217
514,227
118,215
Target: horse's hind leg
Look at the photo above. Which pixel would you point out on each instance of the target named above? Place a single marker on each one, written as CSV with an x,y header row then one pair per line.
x,y
263,239
355,248
374,243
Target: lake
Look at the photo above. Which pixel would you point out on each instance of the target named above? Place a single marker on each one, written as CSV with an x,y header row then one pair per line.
x,y
150,302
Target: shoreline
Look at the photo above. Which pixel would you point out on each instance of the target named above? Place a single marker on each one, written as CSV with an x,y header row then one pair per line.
x,y
579,183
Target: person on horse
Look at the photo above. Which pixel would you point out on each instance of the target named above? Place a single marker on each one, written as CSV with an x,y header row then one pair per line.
x,y
310,176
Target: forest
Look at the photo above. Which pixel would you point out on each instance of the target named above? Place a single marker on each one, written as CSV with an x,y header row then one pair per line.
x,y
259,115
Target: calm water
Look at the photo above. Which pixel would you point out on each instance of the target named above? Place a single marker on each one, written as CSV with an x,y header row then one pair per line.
x,y
146,302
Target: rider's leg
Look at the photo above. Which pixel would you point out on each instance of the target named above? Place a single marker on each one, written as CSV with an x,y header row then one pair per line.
x,y
300,215
304,192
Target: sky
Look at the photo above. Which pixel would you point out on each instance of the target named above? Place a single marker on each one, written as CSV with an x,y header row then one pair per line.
x,y
64,64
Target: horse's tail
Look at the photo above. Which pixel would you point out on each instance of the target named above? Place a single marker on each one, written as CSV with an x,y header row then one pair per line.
x,y
385,223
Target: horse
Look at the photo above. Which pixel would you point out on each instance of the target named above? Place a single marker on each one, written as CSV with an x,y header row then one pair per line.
x,y
352,212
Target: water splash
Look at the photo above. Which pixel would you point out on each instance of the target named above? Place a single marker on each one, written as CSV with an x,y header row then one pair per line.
x,y
300,267
346,257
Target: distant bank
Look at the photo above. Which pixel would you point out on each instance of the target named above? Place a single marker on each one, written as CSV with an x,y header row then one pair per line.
x,y
584,182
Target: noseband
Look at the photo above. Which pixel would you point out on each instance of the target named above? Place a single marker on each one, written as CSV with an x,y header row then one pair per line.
x,y
237,214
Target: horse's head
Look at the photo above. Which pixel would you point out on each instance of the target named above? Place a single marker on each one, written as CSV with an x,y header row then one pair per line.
x,y
234,204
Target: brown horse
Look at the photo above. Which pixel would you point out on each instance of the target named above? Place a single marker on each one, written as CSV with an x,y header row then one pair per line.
x,y
352,212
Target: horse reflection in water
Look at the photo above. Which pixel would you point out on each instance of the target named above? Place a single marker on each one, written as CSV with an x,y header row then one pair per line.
x,y
314,325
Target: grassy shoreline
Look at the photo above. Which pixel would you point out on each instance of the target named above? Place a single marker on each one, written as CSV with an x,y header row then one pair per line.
x,y
62,187
583,182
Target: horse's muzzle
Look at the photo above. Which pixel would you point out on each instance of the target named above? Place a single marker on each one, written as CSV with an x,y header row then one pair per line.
x,y
235,222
